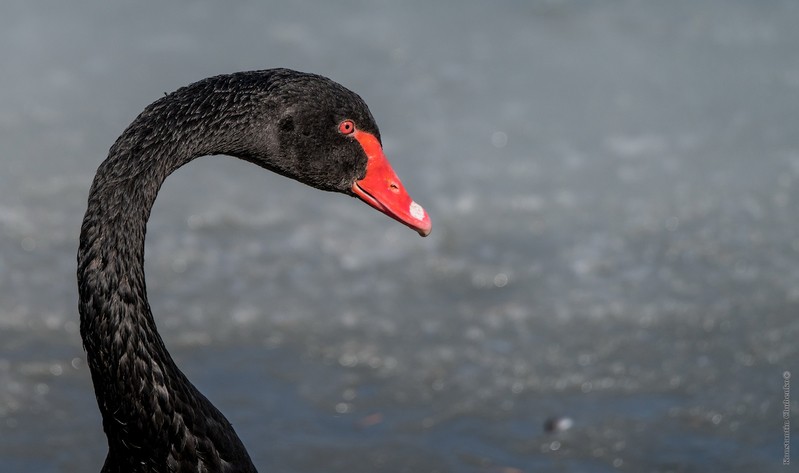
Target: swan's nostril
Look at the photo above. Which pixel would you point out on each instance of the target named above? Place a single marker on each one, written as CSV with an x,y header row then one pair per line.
x,y
394,187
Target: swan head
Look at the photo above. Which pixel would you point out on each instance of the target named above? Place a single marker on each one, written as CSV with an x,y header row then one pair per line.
x,y
324,135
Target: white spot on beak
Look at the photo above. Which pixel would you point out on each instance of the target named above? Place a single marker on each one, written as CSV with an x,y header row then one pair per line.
x,y
417,211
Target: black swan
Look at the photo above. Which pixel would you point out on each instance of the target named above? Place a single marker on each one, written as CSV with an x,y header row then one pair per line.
x,y
299,125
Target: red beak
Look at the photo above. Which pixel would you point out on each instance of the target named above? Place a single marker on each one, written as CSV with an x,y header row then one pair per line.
x,y
382,189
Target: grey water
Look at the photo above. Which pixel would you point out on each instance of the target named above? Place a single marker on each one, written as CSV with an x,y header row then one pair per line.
x,y
613,187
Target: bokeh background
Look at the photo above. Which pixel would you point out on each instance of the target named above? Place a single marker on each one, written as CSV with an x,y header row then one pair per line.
x,y
614,190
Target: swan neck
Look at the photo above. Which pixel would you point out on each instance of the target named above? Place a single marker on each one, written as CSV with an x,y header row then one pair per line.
x,y
149,408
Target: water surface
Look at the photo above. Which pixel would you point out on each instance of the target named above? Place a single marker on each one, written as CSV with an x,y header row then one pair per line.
x,y
613,187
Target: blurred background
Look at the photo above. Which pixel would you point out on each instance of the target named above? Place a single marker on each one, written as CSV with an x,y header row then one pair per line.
x,y
613,188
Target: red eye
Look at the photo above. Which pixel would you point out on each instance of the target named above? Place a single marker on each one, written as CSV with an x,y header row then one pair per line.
x,y
347,127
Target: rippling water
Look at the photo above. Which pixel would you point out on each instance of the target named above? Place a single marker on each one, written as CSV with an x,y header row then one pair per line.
x,y
613,187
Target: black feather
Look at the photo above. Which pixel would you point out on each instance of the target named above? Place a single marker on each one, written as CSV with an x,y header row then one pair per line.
x,y
282,120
